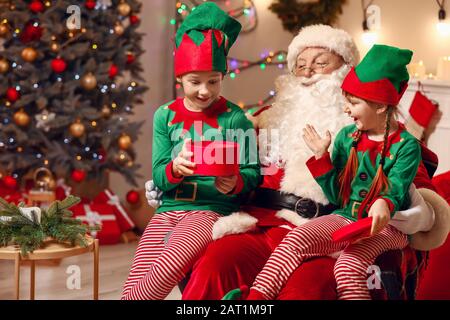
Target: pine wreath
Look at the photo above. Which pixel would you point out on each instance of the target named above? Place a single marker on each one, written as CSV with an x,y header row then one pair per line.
x,y
296,14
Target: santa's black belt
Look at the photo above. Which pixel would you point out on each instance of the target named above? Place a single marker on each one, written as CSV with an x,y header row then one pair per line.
x,y
276,200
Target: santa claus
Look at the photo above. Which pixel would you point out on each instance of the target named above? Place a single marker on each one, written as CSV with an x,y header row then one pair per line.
x,y
319,58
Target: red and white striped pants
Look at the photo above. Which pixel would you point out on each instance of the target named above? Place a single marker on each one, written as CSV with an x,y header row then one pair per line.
x,y
170,245
314,239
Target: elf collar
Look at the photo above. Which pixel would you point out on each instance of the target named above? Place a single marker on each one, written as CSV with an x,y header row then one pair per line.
x,y
375,147
208,116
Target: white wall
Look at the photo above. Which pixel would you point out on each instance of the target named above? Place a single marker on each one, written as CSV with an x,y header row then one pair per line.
x,y
404,23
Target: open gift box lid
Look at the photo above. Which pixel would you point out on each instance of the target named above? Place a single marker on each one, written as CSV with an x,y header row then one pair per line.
x,y
354,231
215,158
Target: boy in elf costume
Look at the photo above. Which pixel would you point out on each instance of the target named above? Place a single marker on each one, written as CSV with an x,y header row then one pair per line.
x,y
376,153
182,228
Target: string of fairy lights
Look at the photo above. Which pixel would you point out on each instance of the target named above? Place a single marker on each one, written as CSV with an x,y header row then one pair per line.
x,y
246,14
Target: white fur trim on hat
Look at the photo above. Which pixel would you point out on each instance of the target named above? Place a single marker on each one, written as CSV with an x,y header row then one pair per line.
x,y
337,40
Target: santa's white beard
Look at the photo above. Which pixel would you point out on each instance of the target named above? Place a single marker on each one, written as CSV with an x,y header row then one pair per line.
x,y
319,104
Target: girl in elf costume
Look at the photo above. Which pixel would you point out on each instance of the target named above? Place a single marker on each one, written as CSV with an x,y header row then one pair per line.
x,y
373,164
182,228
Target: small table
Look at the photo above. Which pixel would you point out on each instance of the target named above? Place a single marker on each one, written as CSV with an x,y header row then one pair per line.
x,y
49,251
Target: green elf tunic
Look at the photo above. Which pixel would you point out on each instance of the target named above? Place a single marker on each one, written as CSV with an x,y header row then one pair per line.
x,y
223,120
401,164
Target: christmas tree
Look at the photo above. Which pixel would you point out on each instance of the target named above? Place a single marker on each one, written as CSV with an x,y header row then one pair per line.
x,y
69,73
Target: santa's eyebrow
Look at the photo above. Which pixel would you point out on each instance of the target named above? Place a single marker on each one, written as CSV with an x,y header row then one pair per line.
x,y
314,57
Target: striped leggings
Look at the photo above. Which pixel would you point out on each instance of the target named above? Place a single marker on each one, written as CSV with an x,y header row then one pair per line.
x,y
170,245
314,239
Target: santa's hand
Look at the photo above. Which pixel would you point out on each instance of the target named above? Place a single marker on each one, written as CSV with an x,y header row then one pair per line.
x,y
381,215
226,184
181,165
315,142
153,194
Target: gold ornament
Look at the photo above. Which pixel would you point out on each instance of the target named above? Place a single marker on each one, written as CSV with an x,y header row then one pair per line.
x,y
125,142
44,180
88,81
124,9
29,54
123,158
77,129
55,47
106,111
21,118
4,30
119,29
4,66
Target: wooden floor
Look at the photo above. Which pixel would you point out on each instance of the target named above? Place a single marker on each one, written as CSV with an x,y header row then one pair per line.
x,y
115,263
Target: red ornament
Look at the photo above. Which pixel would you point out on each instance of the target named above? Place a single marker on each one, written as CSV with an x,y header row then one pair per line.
x,y
10,182
90,4
130,58
113,70
58,65
133,197
36,6
31,32
134,19
12,95
78,175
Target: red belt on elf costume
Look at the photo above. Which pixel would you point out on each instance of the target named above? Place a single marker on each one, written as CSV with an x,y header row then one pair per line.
x,y
276,200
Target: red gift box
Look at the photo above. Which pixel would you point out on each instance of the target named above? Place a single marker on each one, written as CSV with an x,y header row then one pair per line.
x,y
11,195
122,217
99,214
215,158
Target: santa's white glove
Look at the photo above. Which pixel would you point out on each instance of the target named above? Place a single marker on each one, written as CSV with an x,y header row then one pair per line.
x,y
418,218
153,194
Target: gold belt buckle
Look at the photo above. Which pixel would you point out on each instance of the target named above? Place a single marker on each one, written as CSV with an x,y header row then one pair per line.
x,y
355,208
182,190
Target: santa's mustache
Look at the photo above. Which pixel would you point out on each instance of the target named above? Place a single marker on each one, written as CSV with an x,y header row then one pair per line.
x,y
313,79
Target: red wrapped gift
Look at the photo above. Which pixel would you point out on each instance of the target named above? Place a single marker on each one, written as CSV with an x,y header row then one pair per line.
x,y
215,158
122,217
11,195
354,231
103,215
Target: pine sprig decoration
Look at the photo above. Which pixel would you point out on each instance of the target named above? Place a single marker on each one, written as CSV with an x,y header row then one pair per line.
x,y
296,15
18,229
57,223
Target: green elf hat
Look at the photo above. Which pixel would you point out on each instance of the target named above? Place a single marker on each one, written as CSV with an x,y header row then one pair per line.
x,y
381,76
204,39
